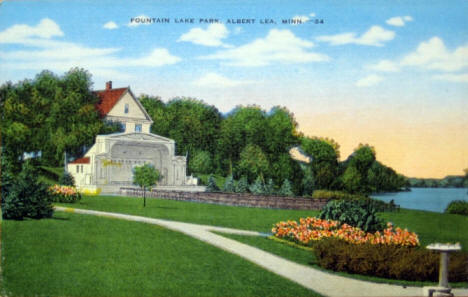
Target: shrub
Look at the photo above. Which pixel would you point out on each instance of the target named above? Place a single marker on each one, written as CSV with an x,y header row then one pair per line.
x,y
258,187
65,194
269,187
26,196
67,179
388,261
229,185
286,189
355,213
242,185
211,185
338,195
458,207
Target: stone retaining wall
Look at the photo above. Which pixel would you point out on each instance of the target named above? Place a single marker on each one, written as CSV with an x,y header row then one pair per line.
x,y
234,199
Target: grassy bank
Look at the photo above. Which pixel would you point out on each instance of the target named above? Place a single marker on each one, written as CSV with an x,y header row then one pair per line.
x,y
430,227
80,255
257,219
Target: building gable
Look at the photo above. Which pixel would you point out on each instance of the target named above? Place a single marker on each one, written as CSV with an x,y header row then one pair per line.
x,y
120,103
128,107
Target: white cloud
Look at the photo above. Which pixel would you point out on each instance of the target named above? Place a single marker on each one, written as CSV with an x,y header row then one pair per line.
x,y
375,36
37,51
369,80
463,77
279,46
139,20
46,29
110,25
212,36
385,66
312,14
433,54
399,21
214,80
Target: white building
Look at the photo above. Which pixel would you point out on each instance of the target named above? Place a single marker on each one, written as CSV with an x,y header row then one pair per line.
x,y
109,164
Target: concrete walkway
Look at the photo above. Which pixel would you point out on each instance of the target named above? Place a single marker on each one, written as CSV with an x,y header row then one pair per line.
x,y
324,283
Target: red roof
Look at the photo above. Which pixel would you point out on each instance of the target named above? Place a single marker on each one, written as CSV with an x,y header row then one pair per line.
x,y
84,160
107,99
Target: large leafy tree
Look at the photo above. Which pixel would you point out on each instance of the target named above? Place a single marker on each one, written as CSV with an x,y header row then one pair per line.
x,y
243,126
324,160
253,162
50,114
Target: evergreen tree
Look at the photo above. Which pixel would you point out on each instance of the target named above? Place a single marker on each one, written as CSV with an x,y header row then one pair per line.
x,y
211,185
258,187
286,189
229,185
67,179
242,185
270,187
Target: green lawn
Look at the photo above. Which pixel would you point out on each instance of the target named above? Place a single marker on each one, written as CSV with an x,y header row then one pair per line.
x,y
430,226
82,255
258,219
79,255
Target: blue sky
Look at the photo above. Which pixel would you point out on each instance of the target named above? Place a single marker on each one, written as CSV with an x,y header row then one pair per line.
x,y
390,73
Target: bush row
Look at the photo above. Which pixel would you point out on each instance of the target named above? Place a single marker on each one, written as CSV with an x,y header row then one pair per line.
x,y
388,261
259,187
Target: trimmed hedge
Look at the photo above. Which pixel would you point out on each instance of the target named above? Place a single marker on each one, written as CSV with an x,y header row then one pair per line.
x,y
458,207
388,261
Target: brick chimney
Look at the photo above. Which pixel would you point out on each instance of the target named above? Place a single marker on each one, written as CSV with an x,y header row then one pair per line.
x,y
109,85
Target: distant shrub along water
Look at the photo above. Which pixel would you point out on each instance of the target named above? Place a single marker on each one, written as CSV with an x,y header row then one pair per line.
x,y
458,207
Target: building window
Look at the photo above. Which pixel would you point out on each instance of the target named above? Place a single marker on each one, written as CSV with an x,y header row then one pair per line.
x,y
137,127
77,168
126,108
123,127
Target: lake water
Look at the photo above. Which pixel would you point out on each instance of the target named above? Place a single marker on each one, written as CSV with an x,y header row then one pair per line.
x,y
432,199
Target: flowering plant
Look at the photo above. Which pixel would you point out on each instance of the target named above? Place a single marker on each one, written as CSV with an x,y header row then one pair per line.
x,y
312,229
67,194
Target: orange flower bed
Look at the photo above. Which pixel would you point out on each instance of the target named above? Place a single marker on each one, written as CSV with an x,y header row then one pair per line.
x,y
312,229
64,193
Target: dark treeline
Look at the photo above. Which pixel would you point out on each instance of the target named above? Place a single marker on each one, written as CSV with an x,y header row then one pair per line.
x,y
451,181
54,115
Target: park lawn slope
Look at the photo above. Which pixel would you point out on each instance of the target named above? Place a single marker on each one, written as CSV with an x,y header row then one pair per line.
x,y
80,255
247,218
430,226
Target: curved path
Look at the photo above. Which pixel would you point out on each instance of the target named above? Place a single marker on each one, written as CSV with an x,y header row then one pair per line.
x,y
324,283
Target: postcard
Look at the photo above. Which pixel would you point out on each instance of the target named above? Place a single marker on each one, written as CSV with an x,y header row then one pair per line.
x,y
280,148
